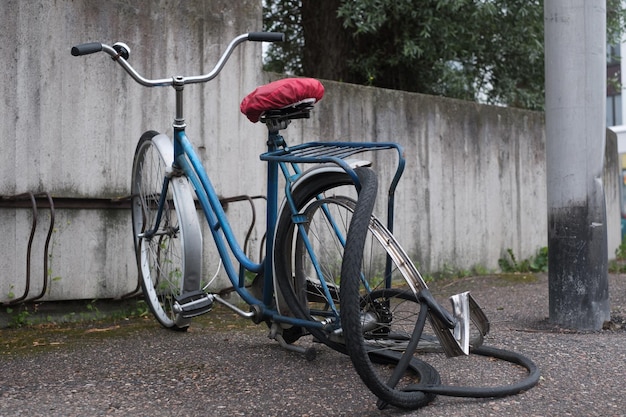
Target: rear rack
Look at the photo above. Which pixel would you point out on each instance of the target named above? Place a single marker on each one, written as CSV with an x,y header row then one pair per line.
x,y
322,152
337,153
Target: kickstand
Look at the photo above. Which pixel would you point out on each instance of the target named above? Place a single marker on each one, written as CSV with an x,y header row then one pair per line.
x,y
277,334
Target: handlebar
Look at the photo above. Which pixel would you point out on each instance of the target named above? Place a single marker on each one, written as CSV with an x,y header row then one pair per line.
x,y
86,48
120,55
266,37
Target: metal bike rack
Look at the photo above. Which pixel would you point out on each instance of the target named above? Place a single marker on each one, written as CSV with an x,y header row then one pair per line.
x,y
43,200
250,199
30,200
37,201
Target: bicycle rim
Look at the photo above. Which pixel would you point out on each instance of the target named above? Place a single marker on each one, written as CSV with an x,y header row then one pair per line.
x,y
380,308
161,257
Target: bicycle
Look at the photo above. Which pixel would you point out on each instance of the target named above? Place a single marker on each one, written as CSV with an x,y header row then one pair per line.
x,y
331,268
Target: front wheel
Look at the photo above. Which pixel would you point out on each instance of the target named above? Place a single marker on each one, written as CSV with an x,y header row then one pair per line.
x,y
168,241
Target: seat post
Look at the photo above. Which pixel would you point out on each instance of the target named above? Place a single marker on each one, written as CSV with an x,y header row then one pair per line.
x,y
274,141
274,125
179,124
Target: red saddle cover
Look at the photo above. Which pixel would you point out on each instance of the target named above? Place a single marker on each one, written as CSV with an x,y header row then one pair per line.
x,y
280,94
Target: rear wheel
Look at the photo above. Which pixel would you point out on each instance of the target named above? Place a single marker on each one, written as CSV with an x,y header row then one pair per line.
x,y
380,310
387,306
169,253
301,289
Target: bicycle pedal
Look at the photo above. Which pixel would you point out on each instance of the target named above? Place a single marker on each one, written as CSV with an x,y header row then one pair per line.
x,y
193,304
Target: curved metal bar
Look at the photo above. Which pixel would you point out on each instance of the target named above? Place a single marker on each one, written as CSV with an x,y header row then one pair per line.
x,y
249,199
44,287
178,80
27,195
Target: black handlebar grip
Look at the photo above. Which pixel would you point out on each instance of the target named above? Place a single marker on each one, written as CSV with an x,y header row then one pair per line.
x,y
266,36
86,48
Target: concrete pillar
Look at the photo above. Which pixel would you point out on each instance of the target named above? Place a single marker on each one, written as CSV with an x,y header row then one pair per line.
x,y
575,48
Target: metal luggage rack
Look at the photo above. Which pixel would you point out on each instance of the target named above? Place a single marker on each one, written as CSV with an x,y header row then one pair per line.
x,y
320,152
338,153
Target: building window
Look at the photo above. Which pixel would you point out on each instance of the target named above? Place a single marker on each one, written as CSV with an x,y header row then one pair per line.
x,y
614,110
613,86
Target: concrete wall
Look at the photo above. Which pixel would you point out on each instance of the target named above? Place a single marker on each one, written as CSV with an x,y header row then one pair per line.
x,y
474,184
475,180
70,124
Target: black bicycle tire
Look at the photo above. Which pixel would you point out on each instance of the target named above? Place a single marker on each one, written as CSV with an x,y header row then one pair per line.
x,y
302,194
524,384
358,351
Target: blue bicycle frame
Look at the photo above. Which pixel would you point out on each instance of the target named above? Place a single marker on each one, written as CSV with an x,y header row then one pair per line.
x,y
278,156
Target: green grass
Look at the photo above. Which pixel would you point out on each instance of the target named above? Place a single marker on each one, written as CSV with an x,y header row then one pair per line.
x,y
618,265
537,263
33,338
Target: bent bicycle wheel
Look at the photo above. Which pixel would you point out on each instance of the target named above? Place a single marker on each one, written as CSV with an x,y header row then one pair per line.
x,y
166,231
301,289
314,252
380,309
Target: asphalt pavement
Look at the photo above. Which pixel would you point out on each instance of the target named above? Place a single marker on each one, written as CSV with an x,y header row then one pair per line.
x,y
226,366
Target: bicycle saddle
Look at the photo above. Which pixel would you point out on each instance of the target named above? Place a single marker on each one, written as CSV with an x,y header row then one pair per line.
x,y
289,98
